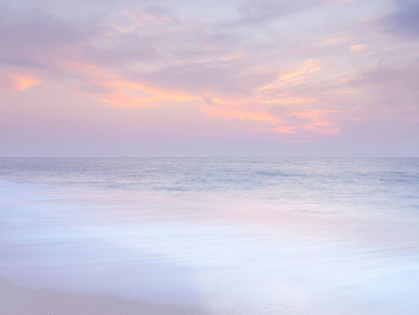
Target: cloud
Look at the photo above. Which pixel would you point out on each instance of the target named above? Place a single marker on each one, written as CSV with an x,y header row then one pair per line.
x,y
291,100
358,47
226,112
18,81
211,79
393,91
36,39
258,11
142,54
157,10
405,18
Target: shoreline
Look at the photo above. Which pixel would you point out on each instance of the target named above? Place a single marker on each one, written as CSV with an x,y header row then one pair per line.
x,y
20,300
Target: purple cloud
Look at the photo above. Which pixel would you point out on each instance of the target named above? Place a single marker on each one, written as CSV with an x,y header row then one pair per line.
x,y
258,11
405,18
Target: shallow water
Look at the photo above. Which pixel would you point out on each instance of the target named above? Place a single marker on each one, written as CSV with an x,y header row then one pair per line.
x,y
245,236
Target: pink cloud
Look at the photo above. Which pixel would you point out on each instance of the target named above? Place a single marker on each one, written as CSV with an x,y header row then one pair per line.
x,y
18,81
358,47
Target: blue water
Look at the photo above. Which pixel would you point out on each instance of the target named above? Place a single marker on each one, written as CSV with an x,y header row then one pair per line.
x,y
229,236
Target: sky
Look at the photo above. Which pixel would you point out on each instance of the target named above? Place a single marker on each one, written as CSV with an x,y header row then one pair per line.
x,y
269,78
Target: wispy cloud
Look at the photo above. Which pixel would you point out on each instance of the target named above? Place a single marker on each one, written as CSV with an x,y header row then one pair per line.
x,y
241,60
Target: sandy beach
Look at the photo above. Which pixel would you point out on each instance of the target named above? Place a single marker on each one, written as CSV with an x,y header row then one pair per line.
x,y
20,300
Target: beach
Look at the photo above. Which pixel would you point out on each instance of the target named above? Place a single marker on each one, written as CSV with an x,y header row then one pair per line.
x,y
20,300
209,236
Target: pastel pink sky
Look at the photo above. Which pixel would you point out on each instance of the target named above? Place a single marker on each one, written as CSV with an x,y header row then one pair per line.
x,y
209,78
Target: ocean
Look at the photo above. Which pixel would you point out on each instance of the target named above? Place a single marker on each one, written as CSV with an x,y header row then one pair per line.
x,y
225,235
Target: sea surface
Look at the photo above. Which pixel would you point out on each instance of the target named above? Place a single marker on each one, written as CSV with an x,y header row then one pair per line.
x,y
228,236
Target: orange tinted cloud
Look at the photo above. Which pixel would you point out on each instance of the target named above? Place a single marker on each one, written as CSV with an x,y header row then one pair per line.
x,y
313,120
122,92
358,47
303,71
333,40
292,100
284,129
126,93
308,66
20,82
316,121
236,113
125,97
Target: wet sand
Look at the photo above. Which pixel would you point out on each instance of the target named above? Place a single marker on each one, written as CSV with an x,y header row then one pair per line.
x,y
19,300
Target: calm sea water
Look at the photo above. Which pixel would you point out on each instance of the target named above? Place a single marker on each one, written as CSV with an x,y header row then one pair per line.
x,y
229,236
